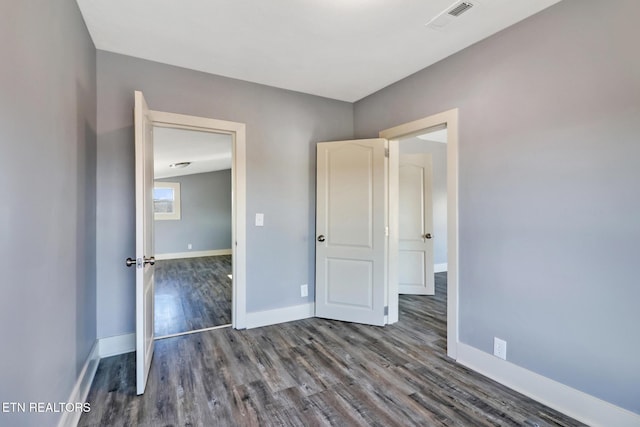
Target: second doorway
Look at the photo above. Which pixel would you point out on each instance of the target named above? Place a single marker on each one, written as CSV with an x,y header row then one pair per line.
x,y
193,230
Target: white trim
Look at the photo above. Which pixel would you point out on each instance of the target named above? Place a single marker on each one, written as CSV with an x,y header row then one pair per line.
x,y
195,331
280,315
574,403
239,306
118,344
450,119
239,195
438,268
81,388
393,180
193,254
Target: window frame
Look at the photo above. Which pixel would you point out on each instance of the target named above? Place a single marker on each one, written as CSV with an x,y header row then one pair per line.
x,y
176,214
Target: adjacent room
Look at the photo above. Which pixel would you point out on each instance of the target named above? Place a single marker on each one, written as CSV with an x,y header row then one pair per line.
x,y
192,230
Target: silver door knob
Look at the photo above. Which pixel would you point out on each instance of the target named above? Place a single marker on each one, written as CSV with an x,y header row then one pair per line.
x,y
150,260
427,236
321,238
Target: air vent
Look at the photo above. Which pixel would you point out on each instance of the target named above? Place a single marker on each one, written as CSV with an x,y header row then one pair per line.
x,y
450,14
461,8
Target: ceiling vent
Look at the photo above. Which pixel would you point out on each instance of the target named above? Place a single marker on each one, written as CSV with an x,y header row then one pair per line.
x,y
461,8
450,14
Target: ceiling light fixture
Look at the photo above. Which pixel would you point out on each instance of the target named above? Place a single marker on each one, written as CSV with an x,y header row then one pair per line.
x,y
179,165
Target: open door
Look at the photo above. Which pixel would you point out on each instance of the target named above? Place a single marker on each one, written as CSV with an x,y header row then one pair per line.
x,y
415,240
144,240
351,240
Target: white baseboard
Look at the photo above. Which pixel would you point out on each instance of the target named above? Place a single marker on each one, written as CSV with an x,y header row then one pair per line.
x,y
440,268
81,388
119,344
193,254
280,315
575,403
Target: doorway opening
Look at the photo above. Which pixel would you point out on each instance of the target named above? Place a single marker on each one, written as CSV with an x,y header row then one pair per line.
x,y
204,257
193,230
422,209
419,137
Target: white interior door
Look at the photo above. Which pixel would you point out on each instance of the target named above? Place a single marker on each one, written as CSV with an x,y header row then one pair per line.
x,y
415,240
144,240
351,243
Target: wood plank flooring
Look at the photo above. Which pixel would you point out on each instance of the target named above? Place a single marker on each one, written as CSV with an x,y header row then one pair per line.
x,y
192,294
313,372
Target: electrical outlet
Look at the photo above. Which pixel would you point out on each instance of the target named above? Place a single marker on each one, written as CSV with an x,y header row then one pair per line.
x,y
189,246
304,290
259,220
500,348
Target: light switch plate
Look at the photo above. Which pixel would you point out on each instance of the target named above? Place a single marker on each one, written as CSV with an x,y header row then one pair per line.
x,y
259,220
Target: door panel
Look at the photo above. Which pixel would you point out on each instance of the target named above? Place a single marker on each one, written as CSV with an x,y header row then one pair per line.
x,y
144,240
411,265
415,260
349,175
351,247
350,283
411,202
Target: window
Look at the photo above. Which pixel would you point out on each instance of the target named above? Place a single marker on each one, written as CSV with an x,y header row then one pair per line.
x,y
166,200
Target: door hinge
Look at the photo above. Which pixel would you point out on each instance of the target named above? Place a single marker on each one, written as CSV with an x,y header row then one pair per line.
x,y
386,231
386,152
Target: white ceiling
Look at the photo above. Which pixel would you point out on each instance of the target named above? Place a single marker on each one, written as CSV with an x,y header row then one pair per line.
x,y
206,151
341,49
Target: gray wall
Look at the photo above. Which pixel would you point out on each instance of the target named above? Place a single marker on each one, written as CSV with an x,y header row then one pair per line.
x,y
47,214
549,201
205,214
438,152
282,129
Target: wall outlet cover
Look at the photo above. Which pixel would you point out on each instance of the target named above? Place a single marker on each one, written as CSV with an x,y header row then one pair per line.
x,y
500,348
304,290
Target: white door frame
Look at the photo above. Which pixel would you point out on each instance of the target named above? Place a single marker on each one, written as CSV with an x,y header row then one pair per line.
x,y
450,119
239,198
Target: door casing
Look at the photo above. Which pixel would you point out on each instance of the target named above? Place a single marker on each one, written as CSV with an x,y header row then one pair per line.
x,y
450,120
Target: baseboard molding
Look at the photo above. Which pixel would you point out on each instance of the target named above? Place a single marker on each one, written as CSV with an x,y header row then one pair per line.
x,y
440,268
119,344
81,388
280,315
575,403
193,254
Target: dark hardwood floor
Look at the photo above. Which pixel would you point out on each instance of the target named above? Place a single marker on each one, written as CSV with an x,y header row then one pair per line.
x,y
192,294
313,372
